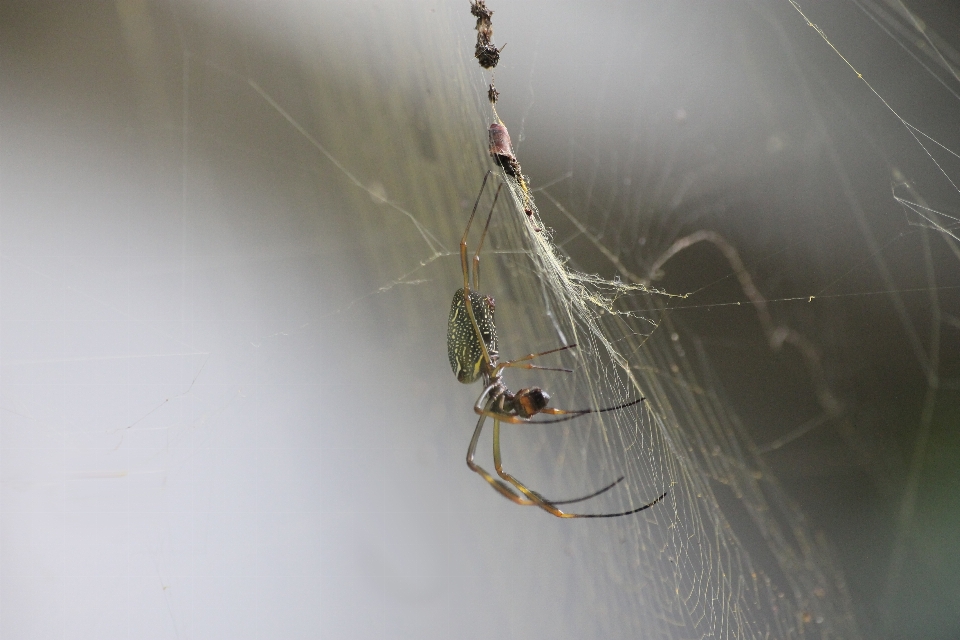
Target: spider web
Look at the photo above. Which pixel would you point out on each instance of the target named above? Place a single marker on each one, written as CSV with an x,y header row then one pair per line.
x,y
729,552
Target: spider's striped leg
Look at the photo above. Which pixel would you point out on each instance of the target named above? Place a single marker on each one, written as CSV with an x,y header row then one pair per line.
x,y
538,499
520,363
463,241
476,256
499,485
576,413
467,297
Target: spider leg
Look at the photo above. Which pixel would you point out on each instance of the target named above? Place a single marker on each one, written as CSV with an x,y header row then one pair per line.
x,y
483,406
468,300
463,240
539,368
501,486
570,415
517,362
538,499
476,256
588,496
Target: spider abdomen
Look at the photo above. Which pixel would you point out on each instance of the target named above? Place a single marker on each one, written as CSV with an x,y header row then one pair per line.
x,y
463,347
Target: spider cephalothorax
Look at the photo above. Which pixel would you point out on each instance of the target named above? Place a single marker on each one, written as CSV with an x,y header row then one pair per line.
x,y
525,403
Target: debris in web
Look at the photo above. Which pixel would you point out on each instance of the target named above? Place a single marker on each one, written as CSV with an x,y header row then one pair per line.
x,y
486,52
501,150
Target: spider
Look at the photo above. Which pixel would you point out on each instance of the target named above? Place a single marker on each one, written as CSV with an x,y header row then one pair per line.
x,y
472,349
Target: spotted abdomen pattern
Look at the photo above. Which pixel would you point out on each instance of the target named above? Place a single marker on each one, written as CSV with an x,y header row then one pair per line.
x,y
463,348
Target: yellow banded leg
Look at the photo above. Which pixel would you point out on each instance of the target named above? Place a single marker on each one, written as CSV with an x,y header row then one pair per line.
x,y
499,485
534,497
538,500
